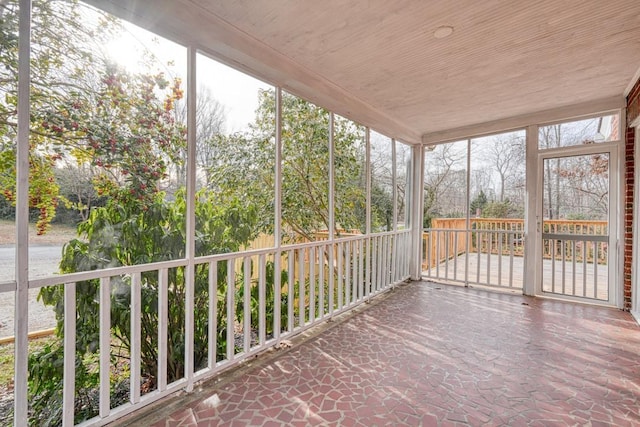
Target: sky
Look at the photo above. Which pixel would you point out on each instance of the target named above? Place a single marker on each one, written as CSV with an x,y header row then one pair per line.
x,y
233,89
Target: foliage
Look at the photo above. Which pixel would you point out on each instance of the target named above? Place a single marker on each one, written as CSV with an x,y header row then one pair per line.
x,y
85,111
115,235
478,204
57,60
245,166
269,299
497,210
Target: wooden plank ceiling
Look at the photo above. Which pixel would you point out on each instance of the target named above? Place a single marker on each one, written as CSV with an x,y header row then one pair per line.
x,y
378,61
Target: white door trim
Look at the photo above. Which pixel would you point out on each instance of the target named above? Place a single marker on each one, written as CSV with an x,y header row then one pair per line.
x,y
612,149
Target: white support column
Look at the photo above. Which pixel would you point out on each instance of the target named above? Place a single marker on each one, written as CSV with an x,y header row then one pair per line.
x,y
467,207
532,220
367,143
191,219
394,185
332,217
364,278
277,226
332,182
417,171
21,313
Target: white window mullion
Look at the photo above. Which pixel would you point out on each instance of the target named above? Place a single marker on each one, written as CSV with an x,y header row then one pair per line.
x,y
191,219
21,313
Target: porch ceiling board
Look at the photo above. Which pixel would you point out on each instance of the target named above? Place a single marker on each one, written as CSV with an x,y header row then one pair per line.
x,y
379,63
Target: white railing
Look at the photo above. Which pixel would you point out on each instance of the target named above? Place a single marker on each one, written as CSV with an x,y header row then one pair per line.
x,y
481,257
323,279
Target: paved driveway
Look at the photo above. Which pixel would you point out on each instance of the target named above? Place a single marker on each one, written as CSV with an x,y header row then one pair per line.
x,y
43,261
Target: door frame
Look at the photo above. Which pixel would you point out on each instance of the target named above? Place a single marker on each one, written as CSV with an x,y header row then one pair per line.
x,y
615,171
635,263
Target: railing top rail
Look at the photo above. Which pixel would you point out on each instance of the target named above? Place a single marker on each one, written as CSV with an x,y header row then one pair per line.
x,y
576,221
521,221
464,230
82,276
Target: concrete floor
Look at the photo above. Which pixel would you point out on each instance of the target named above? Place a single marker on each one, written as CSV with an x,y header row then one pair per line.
x,y
572,279
436,355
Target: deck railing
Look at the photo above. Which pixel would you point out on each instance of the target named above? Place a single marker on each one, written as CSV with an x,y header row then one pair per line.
x,y
321,279
449,239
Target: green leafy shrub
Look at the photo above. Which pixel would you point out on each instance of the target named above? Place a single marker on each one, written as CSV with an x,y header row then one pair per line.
x,y
119,235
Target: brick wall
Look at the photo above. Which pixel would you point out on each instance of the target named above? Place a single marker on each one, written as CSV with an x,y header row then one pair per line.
x,y
633,111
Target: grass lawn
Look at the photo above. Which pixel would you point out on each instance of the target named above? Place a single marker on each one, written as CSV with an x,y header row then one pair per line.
x,y
58,234
6,360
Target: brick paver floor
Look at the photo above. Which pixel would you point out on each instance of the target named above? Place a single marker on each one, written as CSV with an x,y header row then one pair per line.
x,y
436,355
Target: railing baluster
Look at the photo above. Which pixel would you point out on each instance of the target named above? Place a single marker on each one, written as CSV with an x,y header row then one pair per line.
x,y
277,295
331,276
262,309
500,237
291,296
455,255
429,243
213,315
596,256
321,281
312,284
246,306
364,264
357,284
384,277
585,258
389,255
552,247
136,337
447,253
231,290
163,327
479,250
373,265
385,271
394,260
564,269
573,267
348,274
340,266
511,254
301,287
105,346
380,264
437,261
489,249
69,366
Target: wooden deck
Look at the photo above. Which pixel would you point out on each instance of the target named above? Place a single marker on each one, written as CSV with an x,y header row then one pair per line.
x,y
508,272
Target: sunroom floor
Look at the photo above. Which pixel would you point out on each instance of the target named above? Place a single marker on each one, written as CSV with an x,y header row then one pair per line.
x,y
427,354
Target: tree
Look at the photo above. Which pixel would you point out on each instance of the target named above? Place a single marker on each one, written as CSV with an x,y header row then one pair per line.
x,y
506,154
58,68
210,124
444,182
478,204
245,163
77,192
560,135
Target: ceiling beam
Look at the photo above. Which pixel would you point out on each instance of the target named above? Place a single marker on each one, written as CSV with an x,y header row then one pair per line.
x,y
520,122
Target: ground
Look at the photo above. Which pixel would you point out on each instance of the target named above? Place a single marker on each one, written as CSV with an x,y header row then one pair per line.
x,y
47,248
57,235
